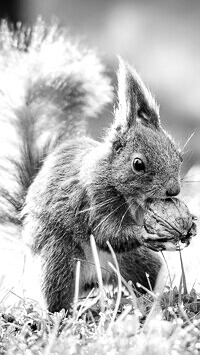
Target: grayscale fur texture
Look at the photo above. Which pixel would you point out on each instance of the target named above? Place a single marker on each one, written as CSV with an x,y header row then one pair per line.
x,y
57,187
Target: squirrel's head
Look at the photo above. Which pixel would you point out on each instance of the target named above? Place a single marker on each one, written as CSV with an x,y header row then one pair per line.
x,y
145,162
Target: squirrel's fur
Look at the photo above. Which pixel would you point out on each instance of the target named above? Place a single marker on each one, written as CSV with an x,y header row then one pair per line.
x,y
58,187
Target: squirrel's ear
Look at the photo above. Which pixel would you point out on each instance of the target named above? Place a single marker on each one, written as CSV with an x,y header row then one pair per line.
x,y
135,101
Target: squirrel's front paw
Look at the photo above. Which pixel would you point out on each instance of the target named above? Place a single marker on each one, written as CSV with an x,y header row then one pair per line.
x,y
168,225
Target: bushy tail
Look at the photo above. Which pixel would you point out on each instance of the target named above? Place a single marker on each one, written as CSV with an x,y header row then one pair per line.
x,y
49,85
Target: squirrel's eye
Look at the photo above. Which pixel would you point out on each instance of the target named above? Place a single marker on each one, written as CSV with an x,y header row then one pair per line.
x,y
138,165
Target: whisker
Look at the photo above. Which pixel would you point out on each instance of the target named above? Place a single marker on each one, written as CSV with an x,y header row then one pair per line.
x,y
188,140
189,181
101,204
122,220
190,176
153,191
98,225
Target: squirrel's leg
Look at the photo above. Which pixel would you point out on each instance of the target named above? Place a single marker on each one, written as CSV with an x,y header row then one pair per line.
x,y
58,275
135,264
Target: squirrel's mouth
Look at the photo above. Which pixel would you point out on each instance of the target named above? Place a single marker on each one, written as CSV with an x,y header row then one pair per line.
x,y
137,210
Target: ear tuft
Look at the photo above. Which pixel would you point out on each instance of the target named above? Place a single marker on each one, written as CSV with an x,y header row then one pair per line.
x,y
126,97
133,97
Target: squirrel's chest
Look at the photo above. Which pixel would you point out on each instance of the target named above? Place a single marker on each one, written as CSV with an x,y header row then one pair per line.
x,y
88,275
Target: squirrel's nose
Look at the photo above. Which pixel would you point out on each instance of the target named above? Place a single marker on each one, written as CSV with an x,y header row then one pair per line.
x,y
173,188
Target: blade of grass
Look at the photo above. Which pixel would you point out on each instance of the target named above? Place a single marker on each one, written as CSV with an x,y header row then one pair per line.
x,y
148,280
146,290
170,282
129,288
92,303
119,293
76,292
185,291
99,273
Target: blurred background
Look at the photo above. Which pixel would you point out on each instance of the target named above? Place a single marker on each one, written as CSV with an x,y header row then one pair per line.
x,y
162,40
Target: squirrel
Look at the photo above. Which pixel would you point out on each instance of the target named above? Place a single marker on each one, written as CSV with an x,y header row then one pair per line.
x,y
57,185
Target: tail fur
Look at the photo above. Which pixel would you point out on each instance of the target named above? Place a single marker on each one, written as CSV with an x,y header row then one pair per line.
x,y
49,85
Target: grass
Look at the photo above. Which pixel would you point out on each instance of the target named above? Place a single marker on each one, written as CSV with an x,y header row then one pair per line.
x,y
113,322
172,328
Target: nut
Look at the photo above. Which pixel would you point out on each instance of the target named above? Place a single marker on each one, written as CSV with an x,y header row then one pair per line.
x,y
168,225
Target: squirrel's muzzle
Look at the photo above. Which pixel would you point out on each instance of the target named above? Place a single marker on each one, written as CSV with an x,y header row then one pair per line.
x,y
173,188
